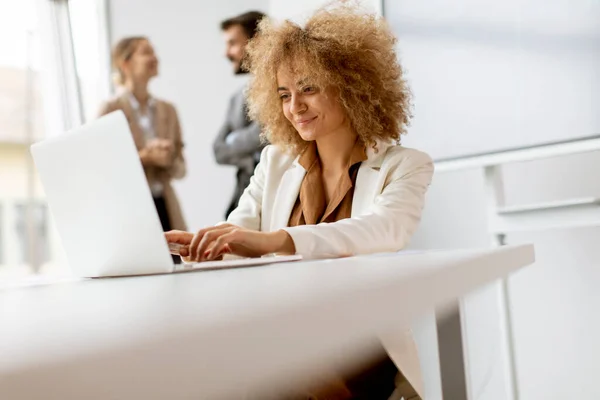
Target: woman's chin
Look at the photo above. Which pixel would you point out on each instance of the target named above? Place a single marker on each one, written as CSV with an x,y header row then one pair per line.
x,y
308,136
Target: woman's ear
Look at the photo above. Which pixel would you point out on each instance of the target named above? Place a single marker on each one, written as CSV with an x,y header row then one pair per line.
x,y
123,68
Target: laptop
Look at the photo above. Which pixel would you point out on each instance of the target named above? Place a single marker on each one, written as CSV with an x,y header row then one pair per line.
x,y
102,205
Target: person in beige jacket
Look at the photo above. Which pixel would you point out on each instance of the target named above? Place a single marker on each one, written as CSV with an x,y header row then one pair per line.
x,y
335,182
154,125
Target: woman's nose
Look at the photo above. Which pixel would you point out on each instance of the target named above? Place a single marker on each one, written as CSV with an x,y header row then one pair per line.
x,y
297,106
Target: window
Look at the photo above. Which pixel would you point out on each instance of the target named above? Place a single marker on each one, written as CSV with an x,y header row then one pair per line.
x,y
92,49
21,118
20,105
45,88
31,231
1,235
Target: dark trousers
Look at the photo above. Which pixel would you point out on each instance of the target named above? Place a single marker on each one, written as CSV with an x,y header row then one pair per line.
x,y
379,380
375,382
161,209
243,180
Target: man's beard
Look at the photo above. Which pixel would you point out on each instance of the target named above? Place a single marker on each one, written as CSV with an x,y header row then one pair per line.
x,y
239,69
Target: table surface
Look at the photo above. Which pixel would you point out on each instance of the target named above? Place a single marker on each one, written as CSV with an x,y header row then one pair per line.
x,y
215,334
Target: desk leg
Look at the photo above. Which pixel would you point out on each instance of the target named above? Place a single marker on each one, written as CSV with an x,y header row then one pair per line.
x,y
494,186
452,363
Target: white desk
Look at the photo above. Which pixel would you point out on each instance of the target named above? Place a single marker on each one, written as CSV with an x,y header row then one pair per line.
x,y
203,335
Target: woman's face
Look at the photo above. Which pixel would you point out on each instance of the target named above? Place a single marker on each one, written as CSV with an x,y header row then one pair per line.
x,y
314,112
143,63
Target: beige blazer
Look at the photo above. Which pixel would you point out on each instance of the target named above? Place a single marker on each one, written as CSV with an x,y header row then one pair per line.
x,y
386,208
166,126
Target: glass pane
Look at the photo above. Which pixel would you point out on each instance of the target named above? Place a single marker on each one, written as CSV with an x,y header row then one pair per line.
x,y
20,100
25,228
1,235
87,41
32,239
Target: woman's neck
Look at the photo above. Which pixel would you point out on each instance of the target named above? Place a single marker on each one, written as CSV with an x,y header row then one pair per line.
x,y
139,90
335,149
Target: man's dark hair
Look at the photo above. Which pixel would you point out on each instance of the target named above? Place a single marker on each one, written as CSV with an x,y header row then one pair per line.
x,y
248,21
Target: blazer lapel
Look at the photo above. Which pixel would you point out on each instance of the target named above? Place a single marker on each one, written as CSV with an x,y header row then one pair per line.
x,y
367,183
136,131
160,120
368,180
286,196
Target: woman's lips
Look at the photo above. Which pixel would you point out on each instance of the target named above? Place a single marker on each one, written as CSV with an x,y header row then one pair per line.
x,y
306,121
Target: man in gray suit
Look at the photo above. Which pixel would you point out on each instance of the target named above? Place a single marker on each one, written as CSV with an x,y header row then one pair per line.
x,y
238,142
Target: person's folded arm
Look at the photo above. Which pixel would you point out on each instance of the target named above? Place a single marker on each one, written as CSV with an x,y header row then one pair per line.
x,y
178,169
249,211
388,225
232,146
219,145
106,107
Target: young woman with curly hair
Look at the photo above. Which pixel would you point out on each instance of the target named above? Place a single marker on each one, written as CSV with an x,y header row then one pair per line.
x,y
334,182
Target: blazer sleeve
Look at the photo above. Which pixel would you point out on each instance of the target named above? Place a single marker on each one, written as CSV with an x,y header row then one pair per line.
x,y
178,169
106,108
388,225
233,147
238,144
249,210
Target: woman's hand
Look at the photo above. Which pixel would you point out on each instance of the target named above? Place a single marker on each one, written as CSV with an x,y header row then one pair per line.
x,y
211,243
158,152
182,238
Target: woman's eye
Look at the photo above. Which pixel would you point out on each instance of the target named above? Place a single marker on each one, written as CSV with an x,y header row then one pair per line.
x,y
284,96
309,89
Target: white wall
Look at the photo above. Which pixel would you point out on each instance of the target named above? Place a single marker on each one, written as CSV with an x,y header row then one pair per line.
x,y
298,10
486,75
554,303
197,78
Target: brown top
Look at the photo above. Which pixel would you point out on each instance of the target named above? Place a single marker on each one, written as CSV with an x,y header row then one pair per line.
x,y
311,207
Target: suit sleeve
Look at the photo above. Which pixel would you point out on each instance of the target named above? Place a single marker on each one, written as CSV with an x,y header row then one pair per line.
x,y
231,146
249,211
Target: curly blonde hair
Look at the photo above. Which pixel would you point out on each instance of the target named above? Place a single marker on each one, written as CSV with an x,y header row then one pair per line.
x,y
342,47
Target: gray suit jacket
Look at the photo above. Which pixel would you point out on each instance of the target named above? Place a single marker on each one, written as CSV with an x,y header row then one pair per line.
x,y
238,143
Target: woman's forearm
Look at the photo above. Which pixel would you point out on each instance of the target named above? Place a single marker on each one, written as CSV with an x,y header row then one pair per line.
x,y
283,242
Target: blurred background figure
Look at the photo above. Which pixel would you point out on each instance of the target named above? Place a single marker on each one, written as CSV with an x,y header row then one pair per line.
x,y
238,142
154,125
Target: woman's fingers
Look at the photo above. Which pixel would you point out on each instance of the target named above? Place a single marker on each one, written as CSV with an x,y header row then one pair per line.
x,y
218,255
184,251
207,239
221,244
212,242
194,244
180,237
194,253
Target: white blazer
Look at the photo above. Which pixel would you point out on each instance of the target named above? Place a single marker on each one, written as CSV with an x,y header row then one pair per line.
x,y
386,209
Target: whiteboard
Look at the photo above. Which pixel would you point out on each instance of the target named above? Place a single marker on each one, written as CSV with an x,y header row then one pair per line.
x,y
489,76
